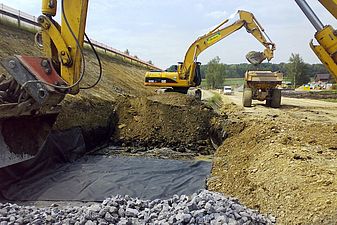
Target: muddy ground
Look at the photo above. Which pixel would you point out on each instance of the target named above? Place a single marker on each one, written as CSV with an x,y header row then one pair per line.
x,y
284,161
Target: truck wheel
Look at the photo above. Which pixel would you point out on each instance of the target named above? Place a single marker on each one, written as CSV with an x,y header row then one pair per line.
x,y
276,98
247,97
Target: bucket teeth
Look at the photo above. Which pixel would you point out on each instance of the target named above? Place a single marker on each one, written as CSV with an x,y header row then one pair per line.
x,y
11,92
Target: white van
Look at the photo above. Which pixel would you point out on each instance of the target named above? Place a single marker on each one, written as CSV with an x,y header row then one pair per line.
x,y
227,90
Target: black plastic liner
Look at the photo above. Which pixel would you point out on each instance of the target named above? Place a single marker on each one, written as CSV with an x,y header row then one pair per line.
x,y
59,147
51,176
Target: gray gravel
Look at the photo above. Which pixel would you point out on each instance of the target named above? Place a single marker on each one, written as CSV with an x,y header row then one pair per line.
x,y
201,208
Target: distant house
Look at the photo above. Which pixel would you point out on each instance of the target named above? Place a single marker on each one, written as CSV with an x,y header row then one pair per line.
x,y
323,78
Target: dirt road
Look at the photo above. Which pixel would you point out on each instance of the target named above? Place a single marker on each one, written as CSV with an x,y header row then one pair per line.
x,y
284,160
307,109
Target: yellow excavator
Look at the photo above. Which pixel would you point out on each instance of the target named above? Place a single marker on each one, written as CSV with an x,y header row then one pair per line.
x,y
188,73
326,36
31,93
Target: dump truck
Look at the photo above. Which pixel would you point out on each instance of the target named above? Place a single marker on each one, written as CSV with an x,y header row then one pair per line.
x,y
262,86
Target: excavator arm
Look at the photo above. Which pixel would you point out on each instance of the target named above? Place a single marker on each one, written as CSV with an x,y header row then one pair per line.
x,y
64,43
246,20
33,88
36,85
188,72
326,36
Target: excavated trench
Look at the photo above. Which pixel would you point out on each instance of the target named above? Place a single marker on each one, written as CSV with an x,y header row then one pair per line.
x,y
145,148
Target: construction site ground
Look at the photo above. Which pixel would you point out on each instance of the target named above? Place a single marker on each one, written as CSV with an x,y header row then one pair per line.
x,y
281,161
284,161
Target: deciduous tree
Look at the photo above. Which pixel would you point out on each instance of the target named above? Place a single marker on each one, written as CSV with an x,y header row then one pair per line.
x,y
297,70
215,73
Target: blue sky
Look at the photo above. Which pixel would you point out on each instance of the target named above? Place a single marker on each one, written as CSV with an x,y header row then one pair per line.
x,y
162,31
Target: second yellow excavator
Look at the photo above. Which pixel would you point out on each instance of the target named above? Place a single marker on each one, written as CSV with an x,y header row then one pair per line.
x,y
188,73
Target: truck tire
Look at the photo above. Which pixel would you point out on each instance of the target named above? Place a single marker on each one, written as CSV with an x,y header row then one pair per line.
x,y
276,98
247,97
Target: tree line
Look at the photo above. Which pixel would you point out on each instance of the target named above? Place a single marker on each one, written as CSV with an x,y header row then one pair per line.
x,y
295,71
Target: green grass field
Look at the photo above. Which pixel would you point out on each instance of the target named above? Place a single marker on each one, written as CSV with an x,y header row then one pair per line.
x,y
234,82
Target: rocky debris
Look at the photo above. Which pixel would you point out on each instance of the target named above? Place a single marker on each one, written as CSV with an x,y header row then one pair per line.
x,y
201,208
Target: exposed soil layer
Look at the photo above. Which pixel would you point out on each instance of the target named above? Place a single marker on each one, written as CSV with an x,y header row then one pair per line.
x,y
283,162
170,120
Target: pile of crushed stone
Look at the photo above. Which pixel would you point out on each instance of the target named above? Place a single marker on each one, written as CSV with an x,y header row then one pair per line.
x,y
203,207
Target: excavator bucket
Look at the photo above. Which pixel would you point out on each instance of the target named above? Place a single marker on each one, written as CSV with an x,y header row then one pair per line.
x,y
255,58
28,107
21,138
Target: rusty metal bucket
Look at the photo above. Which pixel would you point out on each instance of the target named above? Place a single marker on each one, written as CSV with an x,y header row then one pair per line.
x,y
27,112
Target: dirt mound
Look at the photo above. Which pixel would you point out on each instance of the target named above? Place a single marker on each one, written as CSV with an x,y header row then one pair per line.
x,y
281,165
148,123
310,94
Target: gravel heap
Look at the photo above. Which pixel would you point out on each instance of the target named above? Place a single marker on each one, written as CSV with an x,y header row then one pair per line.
x,y
201,208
